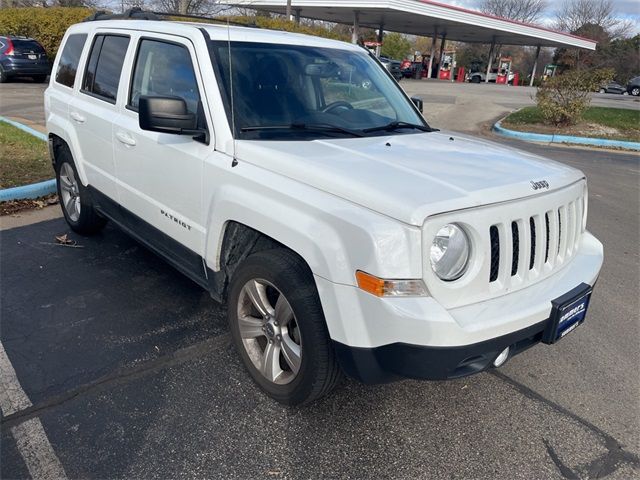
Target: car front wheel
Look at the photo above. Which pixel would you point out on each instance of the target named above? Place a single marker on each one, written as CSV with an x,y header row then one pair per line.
x,y
278,327
635,91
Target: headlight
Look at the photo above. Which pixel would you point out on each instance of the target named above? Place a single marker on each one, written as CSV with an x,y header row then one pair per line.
x,y
449,253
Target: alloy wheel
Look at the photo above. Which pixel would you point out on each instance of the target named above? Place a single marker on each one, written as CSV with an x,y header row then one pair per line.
x,y
269,331
70,192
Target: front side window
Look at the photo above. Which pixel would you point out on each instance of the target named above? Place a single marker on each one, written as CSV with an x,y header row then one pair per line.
x,y
69,59
164,69
104,67
297,92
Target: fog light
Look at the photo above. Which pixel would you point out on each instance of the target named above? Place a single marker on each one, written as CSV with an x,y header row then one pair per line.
x,y
500,359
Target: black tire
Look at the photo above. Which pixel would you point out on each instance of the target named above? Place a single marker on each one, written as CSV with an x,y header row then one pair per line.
x,y
39,78
88,221
4,78
287,273
475,79
635,91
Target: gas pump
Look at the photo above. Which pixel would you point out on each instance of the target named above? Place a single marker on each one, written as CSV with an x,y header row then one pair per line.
x,y
504,70
447,65
549,71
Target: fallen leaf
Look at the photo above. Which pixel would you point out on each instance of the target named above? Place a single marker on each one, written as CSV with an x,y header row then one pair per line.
x,y
65,240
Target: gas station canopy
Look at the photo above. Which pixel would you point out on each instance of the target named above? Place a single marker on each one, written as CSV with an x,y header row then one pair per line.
x,y
423,17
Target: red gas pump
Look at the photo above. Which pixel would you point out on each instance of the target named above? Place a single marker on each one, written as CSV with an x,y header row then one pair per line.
x,y
460,77
504,71
447,65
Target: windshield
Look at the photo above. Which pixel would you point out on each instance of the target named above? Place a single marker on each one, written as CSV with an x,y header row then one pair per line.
x,y
293,92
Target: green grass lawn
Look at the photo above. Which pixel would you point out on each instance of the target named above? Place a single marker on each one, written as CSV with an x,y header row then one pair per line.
x,y
23,158
597,122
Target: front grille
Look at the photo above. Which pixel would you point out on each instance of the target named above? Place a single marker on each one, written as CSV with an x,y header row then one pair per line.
x,y
516,244
560,234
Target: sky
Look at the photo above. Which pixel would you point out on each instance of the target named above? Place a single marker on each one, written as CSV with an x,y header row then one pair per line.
x,y
626,9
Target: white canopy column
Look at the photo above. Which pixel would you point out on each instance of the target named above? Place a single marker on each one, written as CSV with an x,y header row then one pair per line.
x,y
535,66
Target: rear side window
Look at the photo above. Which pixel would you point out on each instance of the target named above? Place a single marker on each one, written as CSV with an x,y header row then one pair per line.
x,y
68,64
104,67
164,69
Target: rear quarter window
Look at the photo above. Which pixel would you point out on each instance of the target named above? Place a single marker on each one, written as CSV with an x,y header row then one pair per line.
x,y
69,59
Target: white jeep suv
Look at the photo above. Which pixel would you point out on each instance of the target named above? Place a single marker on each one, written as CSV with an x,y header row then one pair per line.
x,y
291,177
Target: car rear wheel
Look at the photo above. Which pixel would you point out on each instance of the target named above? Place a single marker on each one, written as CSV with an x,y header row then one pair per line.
x,y
278,327
475,79
3,76
39,78
75,199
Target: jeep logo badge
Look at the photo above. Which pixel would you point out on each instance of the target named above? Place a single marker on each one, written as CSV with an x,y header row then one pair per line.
x,y
541,184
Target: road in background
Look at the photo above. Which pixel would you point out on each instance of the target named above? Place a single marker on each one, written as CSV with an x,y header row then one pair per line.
x,y
132,373
463,107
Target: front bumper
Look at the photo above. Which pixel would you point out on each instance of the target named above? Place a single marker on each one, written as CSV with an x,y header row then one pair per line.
x,y
380,339
398,360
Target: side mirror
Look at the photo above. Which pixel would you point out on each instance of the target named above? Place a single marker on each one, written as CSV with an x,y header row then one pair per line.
x,y
418,103
166,115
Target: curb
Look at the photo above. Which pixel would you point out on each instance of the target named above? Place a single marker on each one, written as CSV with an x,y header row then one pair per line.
x,y
541,137
33,190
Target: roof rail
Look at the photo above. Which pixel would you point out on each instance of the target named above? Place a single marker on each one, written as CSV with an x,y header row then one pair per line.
x,y
137,13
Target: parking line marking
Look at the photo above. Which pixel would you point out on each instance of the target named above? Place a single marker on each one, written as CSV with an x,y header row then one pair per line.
x,y
30,437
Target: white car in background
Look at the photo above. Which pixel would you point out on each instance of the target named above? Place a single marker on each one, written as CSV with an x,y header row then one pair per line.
x,y
480,77
293,179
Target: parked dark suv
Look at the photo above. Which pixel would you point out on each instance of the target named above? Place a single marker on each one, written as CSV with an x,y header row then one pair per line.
x,y
23,57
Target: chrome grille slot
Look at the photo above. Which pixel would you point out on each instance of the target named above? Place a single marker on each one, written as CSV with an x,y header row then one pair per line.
x,y
515,241
547,237
495,253
532,253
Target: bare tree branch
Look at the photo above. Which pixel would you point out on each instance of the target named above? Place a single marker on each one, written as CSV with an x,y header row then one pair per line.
x,y
575,14
528,11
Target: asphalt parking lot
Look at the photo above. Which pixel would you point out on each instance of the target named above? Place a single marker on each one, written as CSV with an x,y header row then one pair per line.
x,y
131,373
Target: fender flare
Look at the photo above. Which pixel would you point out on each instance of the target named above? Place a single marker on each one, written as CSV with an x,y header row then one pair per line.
x,y
63,129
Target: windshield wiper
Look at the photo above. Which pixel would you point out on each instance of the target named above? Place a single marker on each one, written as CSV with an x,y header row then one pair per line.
x,y
308,127
395,125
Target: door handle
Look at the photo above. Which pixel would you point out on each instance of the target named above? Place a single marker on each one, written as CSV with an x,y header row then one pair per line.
x,y
126,139
76,117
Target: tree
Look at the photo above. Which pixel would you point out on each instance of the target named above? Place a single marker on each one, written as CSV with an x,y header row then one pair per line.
x,y
202,7
576,14
528,11
395,45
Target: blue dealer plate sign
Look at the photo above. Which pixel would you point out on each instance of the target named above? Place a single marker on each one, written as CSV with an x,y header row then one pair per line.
x,y
568,313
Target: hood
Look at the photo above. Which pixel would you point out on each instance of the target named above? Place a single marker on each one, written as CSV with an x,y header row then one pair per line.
x,y
410,177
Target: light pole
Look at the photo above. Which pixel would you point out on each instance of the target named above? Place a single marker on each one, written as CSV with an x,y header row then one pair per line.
x,y
288,9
